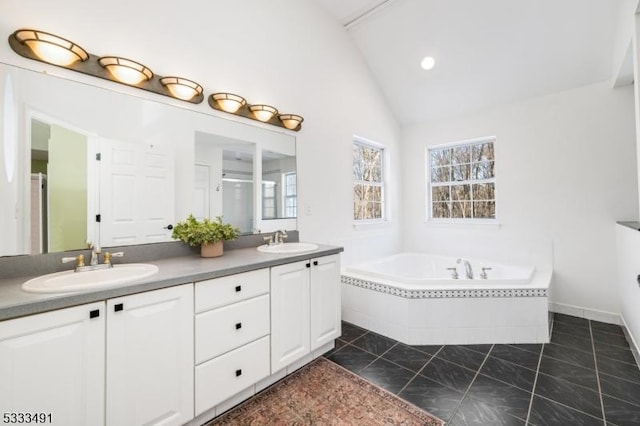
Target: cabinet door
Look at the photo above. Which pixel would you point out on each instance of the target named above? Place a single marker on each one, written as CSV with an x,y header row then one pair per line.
x,y
54,363
289,313
325,300
150,358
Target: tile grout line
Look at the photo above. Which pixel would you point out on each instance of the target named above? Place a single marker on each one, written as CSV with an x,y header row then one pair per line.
x,y
595,362
535,381
563,404
466,392
420,370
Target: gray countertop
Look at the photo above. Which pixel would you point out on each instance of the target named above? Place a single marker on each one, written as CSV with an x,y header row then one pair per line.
x,y
14,302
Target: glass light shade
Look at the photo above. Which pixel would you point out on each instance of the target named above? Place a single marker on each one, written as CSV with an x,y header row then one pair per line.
x,y
291,121
125,70
181,88
427,63
229,102
263,112
51,48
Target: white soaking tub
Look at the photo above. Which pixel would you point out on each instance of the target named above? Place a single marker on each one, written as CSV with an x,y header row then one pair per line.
x,y
413,298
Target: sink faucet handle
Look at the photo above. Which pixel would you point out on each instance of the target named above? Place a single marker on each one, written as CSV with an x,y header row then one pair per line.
x,y
268,239
483,274
454,273
78,259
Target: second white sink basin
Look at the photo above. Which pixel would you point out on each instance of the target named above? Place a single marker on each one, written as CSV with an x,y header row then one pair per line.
x,y
67,281
288,248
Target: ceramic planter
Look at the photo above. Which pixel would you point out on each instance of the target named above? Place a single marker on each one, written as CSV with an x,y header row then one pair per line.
x,y
211,250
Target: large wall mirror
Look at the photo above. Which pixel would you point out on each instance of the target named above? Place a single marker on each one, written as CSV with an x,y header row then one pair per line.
x,y
82,163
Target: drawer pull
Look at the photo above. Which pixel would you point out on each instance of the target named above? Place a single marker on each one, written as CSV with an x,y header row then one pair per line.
x,y
308,265
238,326
94,314
238,288
118,307
238,373
315,263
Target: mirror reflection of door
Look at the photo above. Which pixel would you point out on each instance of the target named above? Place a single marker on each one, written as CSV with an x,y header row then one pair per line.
x,y
59,196
137,193
202,180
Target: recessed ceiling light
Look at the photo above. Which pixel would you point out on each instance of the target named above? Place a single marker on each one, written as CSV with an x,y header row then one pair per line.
x,y
427,63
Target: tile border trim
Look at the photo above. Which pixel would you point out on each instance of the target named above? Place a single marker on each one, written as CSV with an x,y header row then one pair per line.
x,y
442,294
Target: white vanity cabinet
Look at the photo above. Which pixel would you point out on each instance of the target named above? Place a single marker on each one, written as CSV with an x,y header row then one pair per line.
x,y
232,336
305,308
149,374
53,364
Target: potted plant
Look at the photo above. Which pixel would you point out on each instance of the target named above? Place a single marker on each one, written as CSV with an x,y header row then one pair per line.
x,y
209,234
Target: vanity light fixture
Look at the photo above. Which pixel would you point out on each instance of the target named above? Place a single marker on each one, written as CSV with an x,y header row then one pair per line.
x,y
181,88
237,105
50,48
125,70
229,102
46,47
263,112
291,121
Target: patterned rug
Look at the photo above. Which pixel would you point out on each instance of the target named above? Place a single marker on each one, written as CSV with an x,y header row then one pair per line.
x,y
323,393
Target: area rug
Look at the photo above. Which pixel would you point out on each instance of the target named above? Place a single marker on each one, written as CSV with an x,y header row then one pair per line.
x,y
323,393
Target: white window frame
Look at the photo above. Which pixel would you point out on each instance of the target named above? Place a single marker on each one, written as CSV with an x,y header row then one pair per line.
x,y
287,196
428,192
358,140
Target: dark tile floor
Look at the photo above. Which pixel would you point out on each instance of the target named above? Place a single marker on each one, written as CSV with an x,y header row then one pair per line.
x,y
586,376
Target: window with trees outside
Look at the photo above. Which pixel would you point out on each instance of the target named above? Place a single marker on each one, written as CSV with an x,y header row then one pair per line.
x,y
461,181
290,195
368,182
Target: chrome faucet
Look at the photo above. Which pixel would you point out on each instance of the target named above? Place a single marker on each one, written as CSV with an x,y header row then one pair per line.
x,y
95,260
467,268
279,236
95,254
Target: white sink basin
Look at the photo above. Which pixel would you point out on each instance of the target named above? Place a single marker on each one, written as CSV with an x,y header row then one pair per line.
x,y
62,282
288,248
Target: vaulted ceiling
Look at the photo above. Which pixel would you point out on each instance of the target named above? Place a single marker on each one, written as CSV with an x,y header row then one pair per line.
x,y
487,52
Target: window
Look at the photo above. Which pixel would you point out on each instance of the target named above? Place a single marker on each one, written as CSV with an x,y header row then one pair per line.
x,y
368,182
462,180
268,200
290,195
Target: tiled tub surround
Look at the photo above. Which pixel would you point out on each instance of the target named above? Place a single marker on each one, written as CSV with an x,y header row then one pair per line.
x,y
437,309
217,308
585,376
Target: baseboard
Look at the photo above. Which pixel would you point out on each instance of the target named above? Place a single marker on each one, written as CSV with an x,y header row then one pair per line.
x,y
635,349
591,314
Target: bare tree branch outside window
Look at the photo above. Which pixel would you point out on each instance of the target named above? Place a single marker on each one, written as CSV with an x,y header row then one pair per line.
x,y
368,186
462,181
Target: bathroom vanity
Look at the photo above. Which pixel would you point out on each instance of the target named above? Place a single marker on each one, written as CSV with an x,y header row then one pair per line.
x,y
179,347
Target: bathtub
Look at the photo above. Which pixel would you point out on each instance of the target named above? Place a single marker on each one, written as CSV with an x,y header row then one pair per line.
x,y
412,297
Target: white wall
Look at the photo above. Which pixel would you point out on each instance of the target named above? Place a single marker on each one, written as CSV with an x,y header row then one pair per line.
x,y
628,247
565,171
288,53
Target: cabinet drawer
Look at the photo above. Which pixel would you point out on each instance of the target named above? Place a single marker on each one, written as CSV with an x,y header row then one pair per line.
x,y
223,377
223,329
223,291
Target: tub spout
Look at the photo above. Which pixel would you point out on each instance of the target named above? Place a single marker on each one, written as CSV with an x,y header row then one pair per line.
x,y
467,268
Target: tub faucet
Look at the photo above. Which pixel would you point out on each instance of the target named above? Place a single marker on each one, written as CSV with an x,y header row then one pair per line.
x,y
467,268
